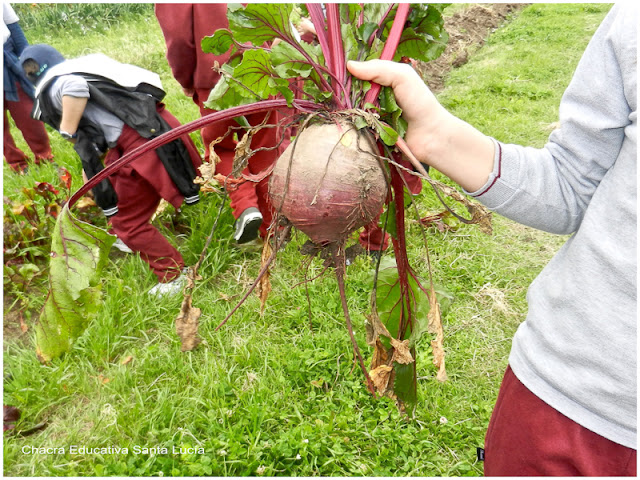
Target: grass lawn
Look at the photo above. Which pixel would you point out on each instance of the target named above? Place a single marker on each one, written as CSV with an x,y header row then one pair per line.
x,y
278,393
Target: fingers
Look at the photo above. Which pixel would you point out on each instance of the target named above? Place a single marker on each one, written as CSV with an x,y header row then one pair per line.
x,y
404,80
420,108
411,93
384,72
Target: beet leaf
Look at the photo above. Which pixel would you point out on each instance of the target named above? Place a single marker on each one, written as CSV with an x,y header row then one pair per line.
x,y
79,252
343,32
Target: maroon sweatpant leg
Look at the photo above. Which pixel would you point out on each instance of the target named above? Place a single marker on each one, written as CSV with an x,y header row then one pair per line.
x,y
260,162
33,131
527,437
242,197
137,202
372,238
245,195
15,157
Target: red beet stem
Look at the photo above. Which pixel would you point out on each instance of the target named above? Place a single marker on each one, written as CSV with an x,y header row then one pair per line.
x,y
262,106
337,251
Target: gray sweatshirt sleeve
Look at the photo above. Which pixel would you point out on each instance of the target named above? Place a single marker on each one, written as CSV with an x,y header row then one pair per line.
x,y
550,188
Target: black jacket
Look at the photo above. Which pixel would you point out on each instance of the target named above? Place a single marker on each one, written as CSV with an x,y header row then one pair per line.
x,y
136,108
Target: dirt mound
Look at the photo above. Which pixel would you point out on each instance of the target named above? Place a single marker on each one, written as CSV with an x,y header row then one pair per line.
x,y
468,29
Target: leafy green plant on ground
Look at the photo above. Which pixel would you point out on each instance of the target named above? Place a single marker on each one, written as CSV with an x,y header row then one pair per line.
x,y
29,220
28,223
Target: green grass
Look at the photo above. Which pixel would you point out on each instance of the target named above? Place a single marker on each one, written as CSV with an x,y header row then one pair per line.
x,y
519,76
44,20
273,395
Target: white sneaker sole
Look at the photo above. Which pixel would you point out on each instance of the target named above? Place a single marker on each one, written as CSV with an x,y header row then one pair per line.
x,y
123,247
169,289
250,225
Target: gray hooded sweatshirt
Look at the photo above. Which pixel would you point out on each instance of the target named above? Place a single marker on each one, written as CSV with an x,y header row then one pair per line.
x,y
576,350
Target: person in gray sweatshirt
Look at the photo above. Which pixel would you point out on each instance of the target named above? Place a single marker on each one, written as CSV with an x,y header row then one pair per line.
x,y
567,404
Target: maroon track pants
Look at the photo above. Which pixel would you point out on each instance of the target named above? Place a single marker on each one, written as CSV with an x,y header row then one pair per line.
x,y
526,437
137,202
248,194
32,130
140,186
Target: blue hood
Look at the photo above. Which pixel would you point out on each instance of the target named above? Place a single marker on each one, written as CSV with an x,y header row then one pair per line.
x,y
45,55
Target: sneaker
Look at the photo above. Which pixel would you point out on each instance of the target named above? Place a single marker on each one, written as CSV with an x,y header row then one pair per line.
x,y
248,225
169,289
123,247
352,252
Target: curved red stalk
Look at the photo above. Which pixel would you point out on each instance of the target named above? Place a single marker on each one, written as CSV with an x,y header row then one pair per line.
x,y
390,47
258,107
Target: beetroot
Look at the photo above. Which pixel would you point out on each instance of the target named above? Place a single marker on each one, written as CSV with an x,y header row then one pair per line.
x,y
333,185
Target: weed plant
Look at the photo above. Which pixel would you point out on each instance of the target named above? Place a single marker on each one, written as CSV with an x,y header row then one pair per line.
x,y
277,393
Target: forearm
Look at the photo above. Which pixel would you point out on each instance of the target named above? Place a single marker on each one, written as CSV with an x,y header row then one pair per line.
x,y
458,150
72,110
434,135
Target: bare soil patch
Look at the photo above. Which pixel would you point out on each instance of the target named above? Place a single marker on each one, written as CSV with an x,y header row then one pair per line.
x,y
468,29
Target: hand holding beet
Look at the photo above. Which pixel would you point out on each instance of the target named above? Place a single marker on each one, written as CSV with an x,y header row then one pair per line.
x,y
434,136
344,164
420,108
